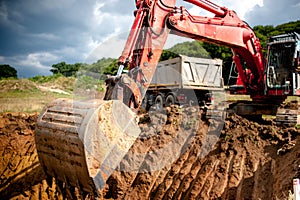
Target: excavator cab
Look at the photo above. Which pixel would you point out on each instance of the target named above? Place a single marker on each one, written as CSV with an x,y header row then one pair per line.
x,y
283,74
283,70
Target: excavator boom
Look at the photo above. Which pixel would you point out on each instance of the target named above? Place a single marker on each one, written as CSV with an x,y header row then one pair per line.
x,y
156,19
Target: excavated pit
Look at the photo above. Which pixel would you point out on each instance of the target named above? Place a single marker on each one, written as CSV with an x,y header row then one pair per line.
x,y
250,160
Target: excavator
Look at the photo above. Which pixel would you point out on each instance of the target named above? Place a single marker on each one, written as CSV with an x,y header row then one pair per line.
x,y
81,142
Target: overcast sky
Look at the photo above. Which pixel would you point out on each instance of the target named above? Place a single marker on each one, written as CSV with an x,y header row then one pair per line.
x,y
38,33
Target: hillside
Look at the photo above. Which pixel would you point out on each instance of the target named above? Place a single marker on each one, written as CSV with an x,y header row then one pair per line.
x,y
24,95
31,95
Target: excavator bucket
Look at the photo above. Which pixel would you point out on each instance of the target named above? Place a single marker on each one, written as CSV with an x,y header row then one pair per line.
x,y
82,142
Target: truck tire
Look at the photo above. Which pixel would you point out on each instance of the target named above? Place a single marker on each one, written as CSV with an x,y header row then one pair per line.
x,y
146,102
159,102
170,100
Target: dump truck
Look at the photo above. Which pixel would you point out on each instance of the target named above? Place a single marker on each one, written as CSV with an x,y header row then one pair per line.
x,y
184,81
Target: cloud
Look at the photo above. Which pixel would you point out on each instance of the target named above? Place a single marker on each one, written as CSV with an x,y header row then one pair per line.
x,y
111,17
36,34
45,36
274,12
3,12
9,18
69,23
119,7
98,14
240,7
32,64
36,59
111,48
297,5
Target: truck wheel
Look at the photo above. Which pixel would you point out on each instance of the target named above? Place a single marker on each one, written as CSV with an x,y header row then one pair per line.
x,y
170,100
159,102
145,103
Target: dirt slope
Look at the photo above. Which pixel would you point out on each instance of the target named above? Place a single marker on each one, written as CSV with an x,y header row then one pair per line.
x,y
251,160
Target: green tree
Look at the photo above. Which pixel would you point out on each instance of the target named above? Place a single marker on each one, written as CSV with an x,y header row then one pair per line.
x,y
192,49
111,68
167,54
7,71
263,32
66,69
103,66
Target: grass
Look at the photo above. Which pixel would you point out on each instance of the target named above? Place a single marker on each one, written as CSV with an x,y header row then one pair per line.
x,y
27,95
29,101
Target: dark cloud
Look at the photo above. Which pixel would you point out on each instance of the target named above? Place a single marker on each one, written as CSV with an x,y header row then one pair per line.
x,y
274,12
119,7
45,32
36,18
65,30
27,71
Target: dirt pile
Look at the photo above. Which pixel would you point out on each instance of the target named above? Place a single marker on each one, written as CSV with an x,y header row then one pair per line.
x,y
21,174
250,160
17,85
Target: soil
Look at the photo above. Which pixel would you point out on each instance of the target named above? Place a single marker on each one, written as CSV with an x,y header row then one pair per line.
x,y
250,160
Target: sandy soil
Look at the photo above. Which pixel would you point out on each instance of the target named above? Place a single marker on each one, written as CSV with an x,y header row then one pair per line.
x,y
250,160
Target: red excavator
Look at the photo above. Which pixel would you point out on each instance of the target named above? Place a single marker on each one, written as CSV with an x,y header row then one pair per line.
x,y
81,142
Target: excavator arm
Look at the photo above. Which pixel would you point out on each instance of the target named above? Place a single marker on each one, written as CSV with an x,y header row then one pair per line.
x,y
156,19
142,52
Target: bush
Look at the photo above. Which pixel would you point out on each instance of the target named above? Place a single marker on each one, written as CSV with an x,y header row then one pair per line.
x,y
45,79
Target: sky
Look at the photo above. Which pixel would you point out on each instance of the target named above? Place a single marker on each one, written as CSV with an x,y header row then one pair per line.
x,y
38,33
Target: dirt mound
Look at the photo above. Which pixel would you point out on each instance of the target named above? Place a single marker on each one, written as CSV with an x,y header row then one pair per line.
x,y
60,83
250,160
21,174
19,85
